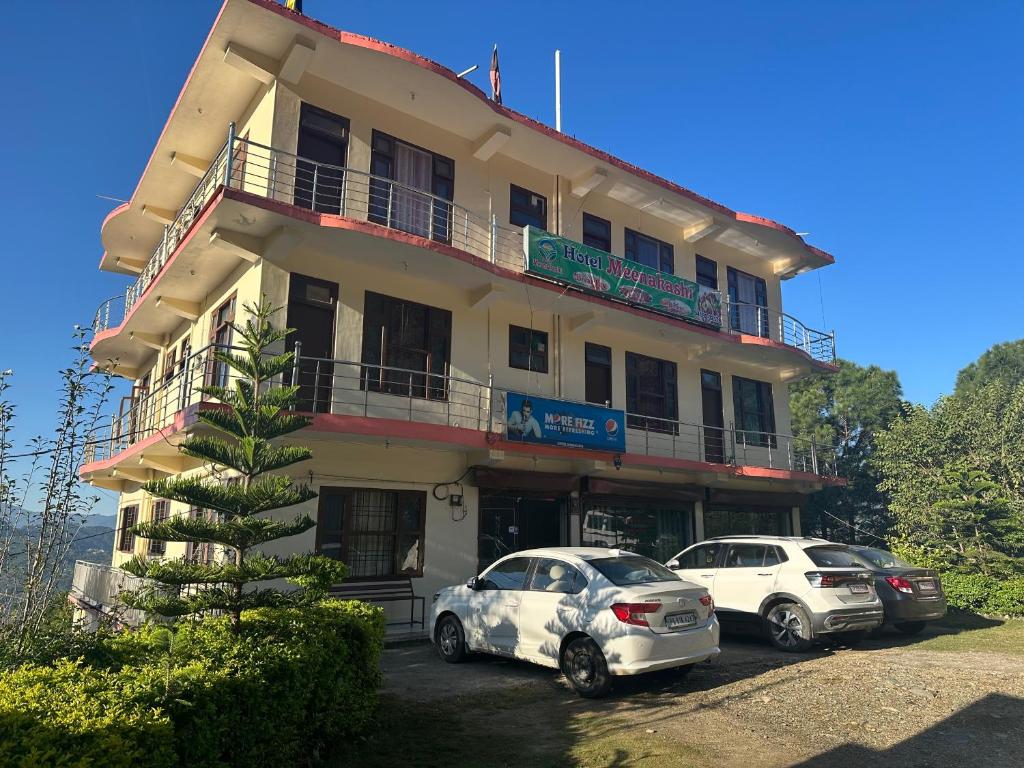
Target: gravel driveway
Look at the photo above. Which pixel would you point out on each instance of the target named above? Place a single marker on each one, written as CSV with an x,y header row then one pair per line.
x,y
881,704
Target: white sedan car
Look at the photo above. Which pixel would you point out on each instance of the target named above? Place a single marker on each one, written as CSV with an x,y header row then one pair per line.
x,y
593,613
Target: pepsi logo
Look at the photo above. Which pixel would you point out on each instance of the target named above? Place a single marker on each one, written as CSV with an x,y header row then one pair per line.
x,y
611,426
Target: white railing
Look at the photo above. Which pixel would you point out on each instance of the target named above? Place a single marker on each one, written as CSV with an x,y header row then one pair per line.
x,y
287,178
97,588
344,387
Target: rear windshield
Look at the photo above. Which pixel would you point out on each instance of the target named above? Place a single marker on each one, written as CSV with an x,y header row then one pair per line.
x,y
632,569
834,557
880,558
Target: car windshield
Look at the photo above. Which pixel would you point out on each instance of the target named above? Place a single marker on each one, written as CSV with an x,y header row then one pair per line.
x,y
880,558
834,557
624,570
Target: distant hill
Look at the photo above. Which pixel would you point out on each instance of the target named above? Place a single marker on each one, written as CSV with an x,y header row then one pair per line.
x,y
93,543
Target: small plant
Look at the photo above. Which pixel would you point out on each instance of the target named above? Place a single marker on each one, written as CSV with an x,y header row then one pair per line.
x,y
255,415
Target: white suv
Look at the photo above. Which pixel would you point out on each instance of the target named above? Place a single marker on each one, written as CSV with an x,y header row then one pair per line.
x,y
797,589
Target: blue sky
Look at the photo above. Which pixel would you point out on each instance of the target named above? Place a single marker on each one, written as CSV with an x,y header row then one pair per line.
x,y
889,131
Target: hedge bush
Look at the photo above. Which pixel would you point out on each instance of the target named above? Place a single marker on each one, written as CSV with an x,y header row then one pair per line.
x,y
990,595
291,689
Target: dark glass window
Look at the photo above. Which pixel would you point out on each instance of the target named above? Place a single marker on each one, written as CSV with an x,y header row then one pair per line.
x,y
510,574
707,272
651,394
750,556
526,207
650,252
748,302
161,511
833,557
597,232
704,556
626,570
406,347
202,552
724,520
126,539
754,411
374,532
558,577
527,349
598,374
648,530
322,148
221,336
412,189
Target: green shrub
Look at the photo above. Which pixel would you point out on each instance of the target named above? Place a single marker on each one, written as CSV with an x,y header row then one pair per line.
x,y
292,689
72,716
990,595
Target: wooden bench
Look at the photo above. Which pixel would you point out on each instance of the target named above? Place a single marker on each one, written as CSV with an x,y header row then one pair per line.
x,y
384,591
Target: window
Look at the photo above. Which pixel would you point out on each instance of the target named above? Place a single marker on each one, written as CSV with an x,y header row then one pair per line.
x,y
374,532
625,570
406,347
643,528
527,349
526,207
170,366
319,170
754,411
833,557
704,556
749,556
649,252
597,233
748,301
126,539
651,395
161,511
202,552
724,520
221,337
510,574
556,576
413,189
707,272
597,372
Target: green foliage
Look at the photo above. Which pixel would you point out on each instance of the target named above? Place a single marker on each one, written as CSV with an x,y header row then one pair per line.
x,y
955,477
847,410
1003,362
72,715
291,688
989,595
256,413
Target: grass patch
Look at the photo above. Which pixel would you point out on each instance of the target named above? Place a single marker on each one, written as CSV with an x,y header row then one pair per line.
x,y
969,632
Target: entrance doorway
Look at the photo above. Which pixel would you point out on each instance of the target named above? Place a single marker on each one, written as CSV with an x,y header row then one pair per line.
x,y
510,523
311,312
714,423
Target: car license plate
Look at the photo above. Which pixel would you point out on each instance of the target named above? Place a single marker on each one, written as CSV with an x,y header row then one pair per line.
x,y
926,585
858,589
681,620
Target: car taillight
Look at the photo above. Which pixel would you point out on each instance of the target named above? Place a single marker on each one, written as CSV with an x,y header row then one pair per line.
x,y
708,602
633,613
822,579
900,584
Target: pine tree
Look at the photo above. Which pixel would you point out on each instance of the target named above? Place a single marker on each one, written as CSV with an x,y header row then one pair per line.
x,y
256,413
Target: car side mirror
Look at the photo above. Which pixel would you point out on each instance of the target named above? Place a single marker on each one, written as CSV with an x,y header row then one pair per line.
x,y
672,564
474,583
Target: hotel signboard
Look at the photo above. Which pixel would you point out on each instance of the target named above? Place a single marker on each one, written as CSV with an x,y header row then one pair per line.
x,y
594,271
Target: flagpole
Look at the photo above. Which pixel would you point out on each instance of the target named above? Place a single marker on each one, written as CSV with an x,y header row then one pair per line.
x,y
558,90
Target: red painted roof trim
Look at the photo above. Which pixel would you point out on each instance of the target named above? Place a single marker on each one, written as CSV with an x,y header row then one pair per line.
x,y
477,439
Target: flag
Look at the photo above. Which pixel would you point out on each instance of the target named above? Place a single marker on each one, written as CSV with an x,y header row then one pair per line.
x,y
495,76
293,5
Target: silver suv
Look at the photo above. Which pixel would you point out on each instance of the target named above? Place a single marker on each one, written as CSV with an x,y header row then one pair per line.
x,y
797,589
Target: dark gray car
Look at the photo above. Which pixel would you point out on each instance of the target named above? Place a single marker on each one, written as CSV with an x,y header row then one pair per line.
x,y
910,596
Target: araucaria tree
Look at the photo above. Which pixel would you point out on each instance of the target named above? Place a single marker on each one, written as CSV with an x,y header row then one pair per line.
x,y
253,414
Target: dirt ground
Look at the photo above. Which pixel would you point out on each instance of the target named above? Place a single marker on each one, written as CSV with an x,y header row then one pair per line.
x,y
890,701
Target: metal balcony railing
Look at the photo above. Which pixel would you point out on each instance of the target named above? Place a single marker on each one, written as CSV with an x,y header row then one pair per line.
x,y
433,396
97,588
332,189
109,314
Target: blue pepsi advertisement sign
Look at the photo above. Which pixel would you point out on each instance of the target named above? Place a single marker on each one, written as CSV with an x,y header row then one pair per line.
x,y
556,422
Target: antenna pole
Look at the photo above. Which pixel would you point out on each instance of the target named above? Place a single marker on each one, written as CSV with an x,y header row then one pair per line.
x,y
558,90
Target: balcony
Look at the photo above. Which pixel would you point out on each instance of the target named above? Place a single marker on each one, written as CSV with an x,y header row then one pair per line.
x,y
95,591
461,411
281,177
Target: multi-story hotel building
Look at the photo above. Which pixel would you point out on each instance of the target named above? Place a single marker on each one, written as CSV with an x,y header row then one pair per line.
x,y
506,338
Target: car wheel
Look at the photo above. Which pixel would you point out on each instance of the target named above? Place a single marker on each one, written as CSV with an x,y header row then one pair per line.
x,y
789,628
585,667
910,627
450,640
